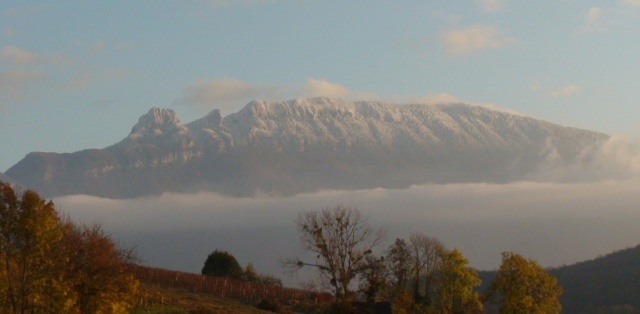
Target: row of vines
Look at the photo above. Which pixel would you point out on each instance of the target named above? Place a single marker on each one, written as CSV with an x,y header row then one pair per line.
x,y
243,291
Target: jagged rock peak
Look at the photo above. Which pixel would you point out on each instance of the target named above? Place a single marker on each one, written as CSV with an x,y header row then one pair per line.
x,y
156,121
211,120
159,116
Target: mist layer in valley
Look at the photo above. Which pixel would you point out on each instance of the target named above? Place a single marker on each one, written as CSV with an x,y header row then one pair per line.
x,y
561,216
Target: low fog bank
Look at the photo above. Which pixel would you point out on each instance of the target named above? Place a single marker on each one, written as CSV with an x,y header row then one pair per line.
x,y
618,158
565,214
553,223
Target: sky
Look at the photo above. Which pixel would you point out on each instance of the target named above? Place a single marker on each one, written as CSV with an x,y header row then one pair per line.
x,y
78,74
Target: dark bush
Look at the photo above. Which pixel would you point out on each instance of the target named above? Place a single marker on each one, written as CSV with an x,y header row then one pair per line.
x,y
222,264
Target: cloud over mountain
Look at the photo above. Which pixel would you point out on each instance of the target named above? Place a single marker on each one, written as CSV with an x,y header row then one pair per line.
x,y
460,42
223,93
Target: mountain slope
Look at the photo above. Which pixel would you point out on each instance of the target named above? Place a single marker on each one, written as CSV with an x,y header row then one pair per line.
x,y
606,283
309,144
4,178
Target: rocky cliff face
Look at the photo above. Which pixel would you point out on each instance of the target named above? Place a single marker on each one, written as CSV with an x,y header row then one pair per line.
x,y
309,144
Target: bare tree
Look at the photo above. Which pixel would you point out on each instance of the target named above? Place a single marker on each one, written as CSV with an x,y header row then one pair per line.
x,y
341,239
399,265
426,254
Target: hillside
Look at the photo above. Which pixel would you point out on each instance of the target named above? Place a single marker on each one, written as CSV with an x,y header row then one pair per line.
x,y
172,291
607,284
161,299
304,145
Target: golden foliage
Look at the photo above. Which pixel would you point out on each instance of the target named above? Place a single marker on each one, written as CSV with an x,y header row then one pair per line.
x,y
522,286
454,285
50,265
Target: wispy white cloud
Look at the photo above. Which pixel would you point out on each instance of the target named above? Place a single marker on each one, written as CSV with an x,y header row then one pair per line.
x,y
632,2
98,47
441,98
24,10
86,78
16,78
8,33
315,88
323,88
14,83
28,75
562,91
18,56
567,90
230,95
224,94
617,159
491,5
14,55
501,108
468,40
593,15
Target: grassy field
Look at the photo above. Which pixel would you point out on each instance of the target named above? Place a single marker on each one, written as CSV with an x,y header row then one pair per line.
x,y
168,300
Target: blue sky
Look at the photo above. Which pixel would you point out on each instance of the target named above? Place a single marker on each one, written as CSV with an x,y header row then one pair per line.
x,y
78,74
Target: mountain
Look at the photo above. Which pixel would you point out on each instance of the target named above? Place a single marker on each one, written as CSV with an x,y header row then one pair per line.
x,y
4,178
288,147
607,284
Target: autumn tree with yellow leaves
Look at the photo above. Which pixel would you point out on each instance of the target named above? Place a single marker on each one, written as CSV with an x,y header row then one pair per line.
x,y
49,264
454,285
30,238
522,286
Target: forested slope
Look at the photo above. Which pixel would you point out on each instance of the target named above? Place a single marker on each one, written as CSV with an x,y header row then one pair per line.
x,y
606,284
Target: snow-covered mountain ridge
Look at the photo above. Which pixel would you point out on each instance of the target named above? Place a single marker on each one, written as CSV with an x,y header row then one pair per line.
x,y
322,119
286,147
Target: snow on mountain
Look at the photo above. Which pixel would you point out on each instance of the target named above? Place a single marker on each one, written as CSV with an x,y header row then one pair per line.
x,y
157,138
156,122
286,147
211,132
